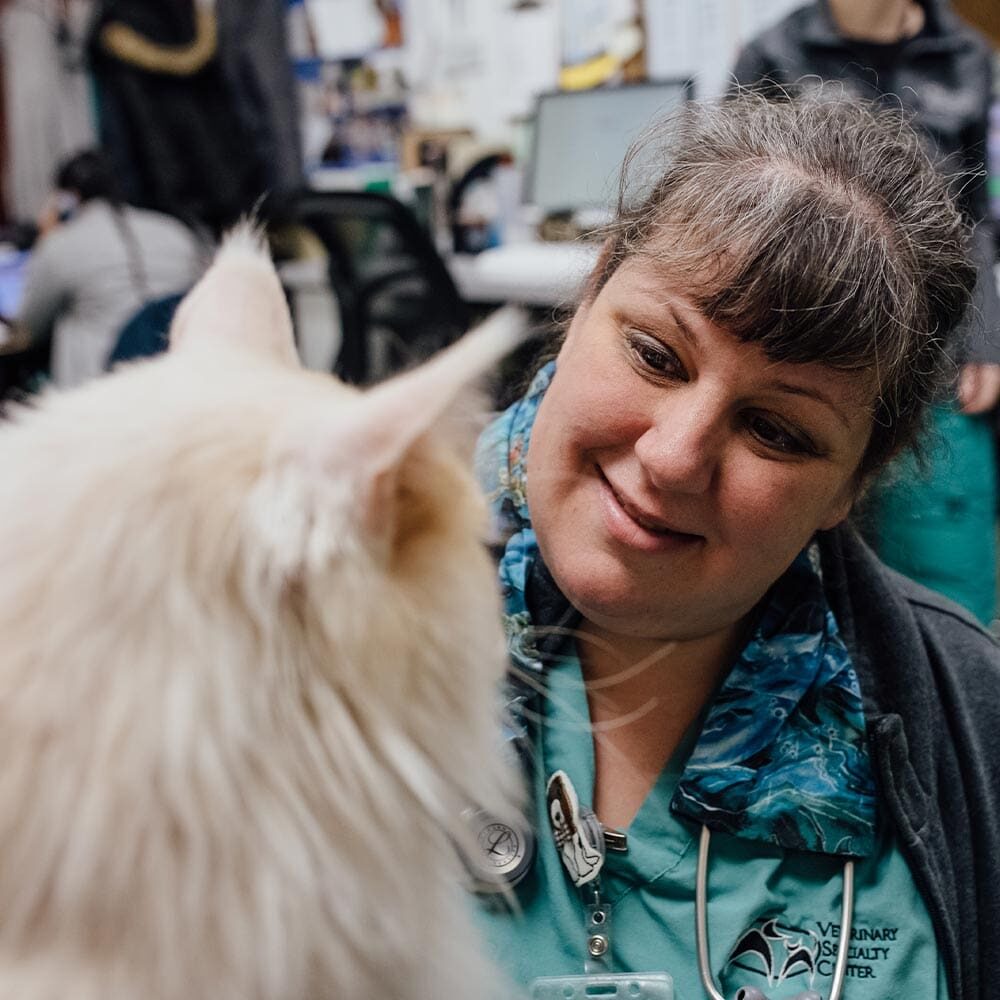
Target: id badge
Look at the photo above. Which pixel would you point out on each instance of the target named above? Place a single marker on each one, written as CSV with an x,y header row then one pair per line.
x,y
580,840
605,986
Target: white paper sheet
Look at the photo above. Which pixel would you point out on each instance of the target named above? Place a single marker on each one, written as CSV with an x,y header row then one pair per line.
x,y
345,29
715,42
701,38
527,58
669,47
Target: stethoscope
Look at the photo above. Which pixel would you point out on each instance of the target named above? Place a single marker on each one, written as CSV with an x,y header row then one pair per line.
x,y
750,992
508,854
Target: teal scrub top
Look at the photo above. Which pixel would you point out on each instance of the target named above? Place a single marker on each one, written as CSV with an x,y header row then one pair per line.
x,y
773,915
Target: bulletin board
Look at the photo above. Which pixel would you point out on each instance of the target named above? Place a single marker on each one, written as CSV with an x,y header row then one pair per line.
x,y
482,62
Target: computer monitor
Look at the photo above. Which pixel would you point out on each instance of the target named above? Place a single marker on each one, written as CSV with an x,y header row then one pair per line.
x,y
13,267
580,138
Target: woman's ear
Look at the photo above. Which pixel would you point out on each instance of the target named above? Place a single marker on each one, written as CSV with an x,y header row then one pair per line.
x,y
849,496
838,513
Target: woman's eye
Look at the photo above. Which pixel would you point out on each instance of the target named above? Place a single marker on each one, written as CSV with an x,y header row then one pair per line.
x,y
772,434
655,356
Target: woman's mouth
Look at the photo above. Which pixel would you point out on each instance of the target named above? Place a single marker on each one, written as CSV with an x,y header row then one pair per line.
x,y
638,528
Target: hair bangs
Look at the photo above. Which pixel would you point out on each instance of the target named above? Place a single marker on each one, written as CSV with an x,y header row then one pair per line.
x,y
819,229
783,266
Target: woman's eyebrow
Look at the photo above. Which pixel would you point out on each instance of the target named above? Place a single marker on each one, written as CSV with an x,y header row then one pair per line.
x,y
681,325
811,392
808,392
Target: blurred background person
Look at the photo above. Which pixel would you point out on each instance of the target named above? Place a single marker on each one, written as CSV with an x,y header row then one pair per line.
x,y
97,262
934,519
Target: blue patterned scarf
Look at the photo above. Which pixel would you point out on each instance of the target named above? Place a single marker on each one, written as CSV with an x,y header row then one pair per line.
x,y
782,756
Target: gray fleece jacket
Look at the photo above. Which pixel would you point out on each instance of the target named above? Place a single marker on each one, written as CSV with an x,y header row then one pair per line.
x,y
930,677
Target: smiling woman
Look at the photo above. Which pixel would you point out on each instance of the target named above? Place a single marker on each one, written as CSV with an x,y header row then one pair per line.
x,y
702,468
760,336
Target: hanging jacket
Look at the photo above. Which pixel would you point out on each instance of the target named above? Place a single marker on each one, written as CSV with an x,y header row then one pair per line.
x,y
178,117
256,68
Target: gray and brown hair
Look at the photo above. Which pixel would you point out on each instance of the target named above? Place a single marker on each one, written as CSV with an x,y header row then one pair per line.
x,y
819,228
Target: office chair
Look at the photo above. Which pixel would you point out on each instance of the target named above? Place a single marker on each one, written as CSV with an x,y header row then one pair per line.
x,y
386,273
145,334
22,374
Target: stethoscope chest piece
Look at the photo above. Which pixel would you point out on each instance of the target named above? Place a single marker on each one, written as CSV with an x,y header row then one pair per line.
x,y
505,851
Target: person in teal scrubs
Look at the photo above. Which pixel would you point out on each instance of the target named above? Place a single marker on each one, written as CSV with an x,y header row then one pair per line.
x,y
706,661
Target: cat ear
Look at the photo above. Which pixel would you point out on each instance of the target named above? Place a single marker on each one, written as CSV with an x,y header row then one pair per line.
x,y
391,417
239,301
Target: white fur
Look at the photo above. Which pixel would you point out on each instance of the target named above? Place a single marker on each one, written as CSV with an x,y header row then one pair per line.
x,y
247,684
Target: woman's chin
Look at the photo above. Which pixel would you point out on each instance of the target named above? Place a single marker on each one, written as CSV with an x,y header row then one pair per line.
x,y
617,602
611,599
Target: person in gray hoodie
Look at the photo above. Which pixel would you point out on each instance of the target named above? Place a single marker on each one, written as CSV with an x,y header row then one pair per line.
x,y
96,263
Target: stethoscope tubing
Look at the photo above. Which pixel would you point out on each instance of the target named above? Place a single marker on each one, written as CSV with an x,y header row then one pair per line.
x,y
701,923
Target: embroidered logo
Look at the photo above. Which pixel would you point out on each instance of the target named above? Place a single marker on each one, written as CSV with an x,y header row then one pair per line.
x,y
776,951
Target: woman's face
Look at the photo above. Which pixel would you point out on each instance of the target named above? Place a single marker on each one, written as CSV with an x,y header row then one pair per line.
x,y
674,472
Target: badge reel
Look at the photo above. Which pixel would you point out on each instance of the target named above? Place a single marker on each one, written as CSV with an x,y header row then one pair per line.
x,y
582,842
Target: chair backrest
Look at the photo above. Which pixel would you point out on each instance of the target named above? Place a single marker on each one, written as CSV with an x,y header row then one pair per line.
x,y
389,280
145,334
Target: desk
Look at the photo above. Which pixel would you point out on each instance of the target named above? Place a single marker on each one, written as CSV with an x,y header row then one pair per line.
x,y
364,177
530,274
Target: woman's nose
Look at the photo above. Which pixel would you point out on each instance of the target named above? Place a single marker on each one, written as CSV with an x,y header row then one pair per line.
x,y
681,448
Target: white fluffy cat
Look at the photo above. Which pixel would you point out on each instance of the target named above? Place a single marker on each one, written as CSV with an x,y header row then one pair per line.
x,y
250,643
